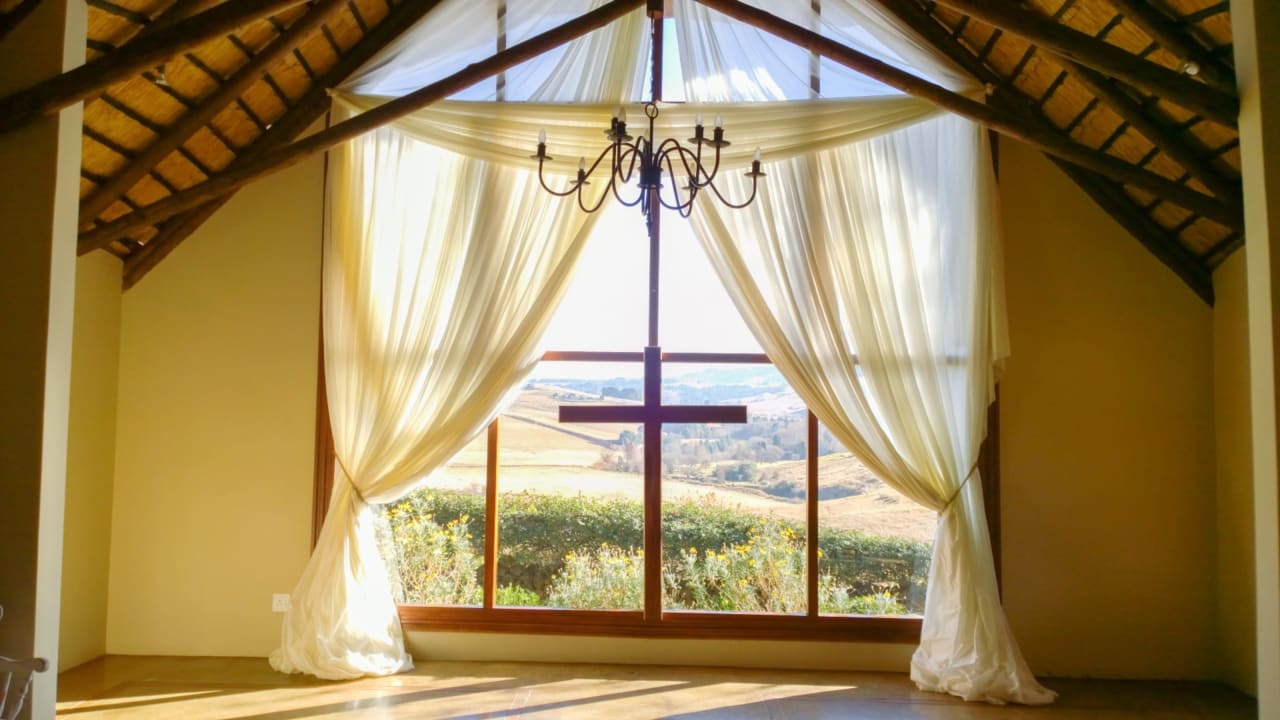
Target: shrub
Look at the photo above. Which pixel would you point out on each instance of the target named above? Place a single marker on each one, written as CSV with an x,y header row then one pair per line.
x,y
437,565
609,578
539,531
766,573
517,596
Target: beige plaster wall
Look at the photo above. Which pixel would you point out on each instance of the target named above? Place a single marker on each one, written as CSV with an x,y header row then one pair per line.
x,y
91,448
216,428
1107,437
1237,660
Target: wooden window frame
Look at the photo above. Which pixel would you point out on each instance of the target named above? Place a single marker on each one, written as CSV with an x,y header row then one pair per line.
x,y
659,623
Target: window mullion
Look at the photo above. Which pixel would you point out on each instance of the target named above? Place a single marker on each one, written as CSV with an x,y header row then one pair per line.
x,y
491,517
811,508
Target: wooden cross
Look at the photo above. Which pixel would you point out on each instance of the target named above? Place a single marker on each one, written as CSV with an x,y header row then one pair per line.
x,y
652,410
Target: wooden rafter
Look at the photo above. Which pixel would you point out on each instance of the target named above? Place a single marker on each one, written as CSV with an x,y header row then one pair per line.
x,y
1211,102
87,80
177,12
1110,196
1165,31
1158,133
304,113
289,155
189,123
997,119
10,20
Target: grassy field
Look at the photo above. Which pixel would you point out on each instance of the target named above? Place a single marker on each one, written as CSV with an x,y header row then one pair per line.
x,y
538,454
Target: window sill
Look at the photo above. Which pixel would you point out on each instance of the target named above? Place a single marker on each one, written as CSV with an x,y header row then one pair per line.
x,y
676,624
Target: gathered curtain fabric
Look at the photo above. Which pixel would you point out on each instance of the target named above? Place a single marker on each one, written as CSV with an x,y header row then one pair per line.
x,y
441,273
869,273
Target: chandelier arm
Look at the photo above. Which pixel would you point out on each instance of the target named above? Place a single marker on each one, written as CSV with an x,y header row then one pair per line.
x,y
599,159
599,201
618,195
678,203
693,171
630,156
574,187
737,206
715,168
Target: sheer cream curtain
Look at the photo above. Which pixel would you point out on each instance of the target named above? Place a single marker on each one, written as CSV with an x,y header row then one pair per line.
x,y
869,274
441,272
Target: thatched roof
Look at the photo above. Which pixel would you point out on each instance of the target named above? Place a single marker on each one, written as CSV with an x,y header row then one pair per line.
x,y
1161,100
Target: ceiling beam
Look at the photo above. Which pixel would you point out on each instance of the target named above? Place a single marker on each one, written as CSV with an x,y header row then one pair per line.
x,y
180,10
1171,37
189,123
999,120
1111,197
304,113
294,153
87,80
1211,102
1158,133
10,20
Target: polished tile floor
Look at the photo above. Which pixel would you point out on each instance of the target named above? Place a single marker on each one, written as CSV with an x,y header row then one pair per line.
x,y
243,688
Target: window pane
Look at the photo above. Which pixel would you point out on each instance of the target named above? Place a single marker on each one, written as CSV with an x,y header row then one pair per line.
x,y
733,527
606,304
874,544
433,540
695,312
571,523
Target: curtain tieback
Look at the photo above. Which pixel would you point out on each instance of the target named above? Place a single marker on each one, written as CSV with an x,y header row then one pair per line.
x,y
346,475
972,472
359,494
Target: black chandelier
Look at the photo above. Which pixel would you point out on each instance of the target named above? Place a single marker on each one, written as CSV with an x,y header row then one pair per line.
x,y
628,155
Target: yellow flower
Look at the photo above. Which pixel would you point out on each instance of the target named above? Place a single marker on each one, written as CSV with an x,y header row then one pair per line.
x,y
819,552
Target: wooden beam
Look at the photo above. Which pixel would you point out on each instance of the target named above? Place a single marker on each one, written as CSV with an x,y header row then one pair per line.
x,y
304,113
10,20
294,153
1000,120
85,81
1170,36
1159,134
1170,252
180,10
188,124
1223,107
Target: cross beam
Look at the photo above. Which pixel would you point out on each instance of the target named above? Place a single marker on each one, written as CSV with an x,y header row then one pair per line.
x,y
659,414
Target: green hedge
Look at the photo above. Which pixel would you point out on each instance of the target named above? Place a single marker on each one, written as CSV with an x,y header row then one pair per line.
x,y
537,531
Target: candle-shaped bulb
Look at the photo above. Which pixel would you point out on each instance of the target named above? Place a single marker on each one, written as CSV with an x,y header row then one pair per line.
x,y
719,122
616,112
582,164
756,157
697,119
542,137
622,114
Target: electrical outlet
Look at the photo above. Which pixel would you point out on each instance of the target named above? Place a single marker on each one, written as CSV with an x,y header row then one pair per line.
x,y
280,602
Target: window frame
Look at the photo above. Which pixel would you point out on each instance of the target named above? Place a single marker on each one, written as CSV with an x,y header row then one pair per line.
x,y
660,623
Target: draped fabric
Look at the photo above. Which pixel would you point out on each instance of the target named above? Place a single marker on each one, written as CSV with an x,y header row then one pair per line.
x,y
869,275
441,272
867,269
